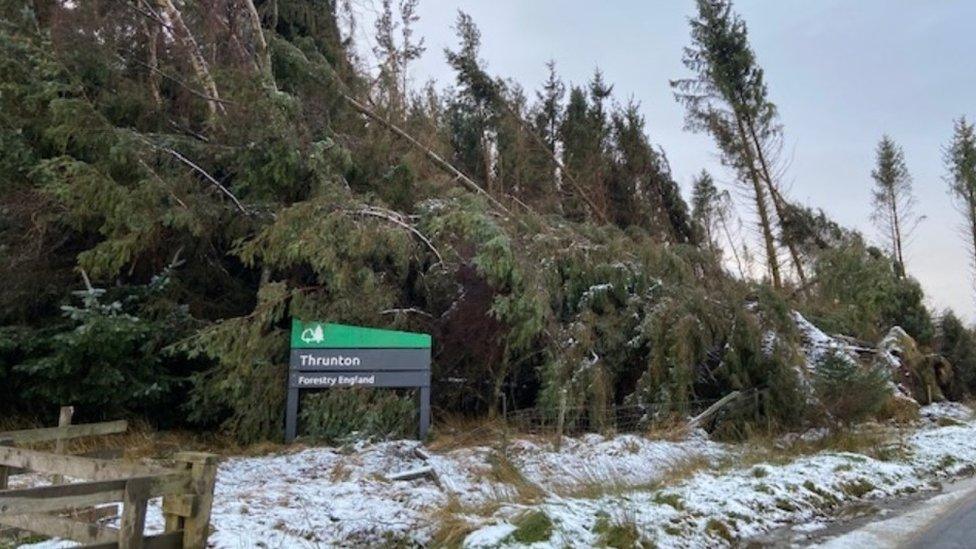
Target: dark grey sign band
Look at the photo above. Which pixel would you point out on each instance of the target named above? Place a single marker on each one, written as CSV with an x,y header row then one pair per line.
x,y
360,359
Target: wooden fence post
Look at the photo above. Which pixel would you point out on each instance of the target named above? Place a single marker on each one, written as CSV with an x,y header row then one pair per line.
x,y
4,470
134,501
561,419
192,513
64,420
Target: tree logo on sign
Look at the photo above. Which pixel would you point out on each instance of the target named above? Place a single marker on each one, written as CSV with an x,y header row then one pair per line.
x,y
313,335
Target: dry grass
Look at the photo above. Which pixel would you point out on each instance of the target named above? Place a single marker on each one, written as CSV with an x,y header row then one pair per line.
x,y
673,429
591,487
505,472
452,526
883,444
453,432
141,441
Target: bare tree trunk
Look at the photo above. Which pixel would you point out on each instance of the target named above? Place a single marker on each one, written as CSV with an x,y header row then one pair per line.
x,y
761,208
431,155
896,235
972,221
152,60
197,60
260,45
600,214
735,250
486,156
778,203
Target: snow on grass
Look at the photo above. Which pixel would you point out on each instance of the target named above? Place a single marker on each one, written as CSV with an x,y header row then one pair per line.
x,y
321,497
324,496
718,508
685,493
623,460
946,412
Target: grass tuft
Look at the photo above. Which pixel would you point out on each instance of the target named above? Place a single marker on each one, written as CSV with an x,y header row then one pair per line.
x,y
671,499
720,529
503,470
857,488
532,527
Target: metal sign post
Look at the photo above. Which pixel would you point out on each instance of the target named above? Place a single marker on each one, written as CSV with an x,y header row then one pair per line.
x,y
334,355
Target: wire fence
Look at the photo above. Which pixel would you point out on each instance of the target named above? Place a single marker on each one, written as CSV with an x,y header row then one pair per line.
x,y
618,419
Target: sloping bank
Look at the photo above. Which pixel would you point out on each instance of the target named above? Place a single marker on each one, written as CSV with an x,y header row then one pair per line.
x,y
624,490
620,491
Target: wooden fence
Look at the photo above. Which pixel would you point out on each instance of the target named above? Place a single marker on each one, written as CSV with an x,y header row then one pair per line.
x,y
186,489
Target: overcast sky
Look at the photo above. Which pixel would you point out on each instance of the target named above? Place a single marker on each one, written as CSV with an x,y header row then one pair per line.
x,y
842,73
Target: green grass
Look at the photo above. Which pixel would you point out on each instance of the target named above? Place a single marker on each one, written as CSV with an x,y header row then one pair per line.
x,y
857,488
620,534
532,527
720,529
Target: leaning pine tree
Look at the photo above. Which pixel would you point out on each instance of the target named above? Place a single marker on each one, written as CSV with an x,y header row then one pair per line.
x,y
960,159
727,97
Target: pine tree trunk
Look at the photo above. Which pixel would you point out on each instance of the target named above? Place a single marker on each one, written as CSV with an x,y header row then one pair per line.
x,y
778,203
972,219
896,228
768,239
486,154
260,45
197,61
761,208
152,60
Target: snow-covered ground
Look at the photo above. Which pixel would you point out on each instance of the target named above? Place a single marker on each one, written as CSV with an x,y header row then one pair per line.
x,y
687,493
691,492
331,496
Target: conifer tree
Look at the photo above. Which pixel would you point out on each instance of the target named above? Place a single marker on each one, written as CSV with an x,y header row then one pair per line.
x,y
712,211
960,160
893,199
705,202
957,343
550,112
640,188
546,121
490,96
728,98
582,148
395,53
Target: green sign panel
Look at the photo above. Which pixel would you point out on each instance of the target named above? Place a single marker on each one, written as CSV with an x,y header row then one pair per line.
x,y
321,335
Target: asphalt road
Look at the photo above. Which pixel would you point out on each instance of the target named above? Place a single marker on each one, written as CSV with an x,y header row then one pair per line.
x,y
955,529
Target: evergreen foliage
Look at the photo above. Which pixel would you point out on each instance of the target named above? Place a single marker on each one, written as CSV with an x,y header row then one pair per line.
x,y
960,160
957,343
893,199
278,174
851,392
350,413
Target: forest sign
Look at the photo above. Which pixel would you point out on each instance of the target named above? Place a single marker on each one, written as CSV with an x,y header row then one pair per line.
x,y
335,355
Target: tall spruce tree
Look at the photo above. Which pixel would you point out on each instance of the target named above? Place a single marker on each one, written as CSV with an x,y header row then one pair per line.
x,y
960,160
705,200
728,98
894,202
547,118
396,47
